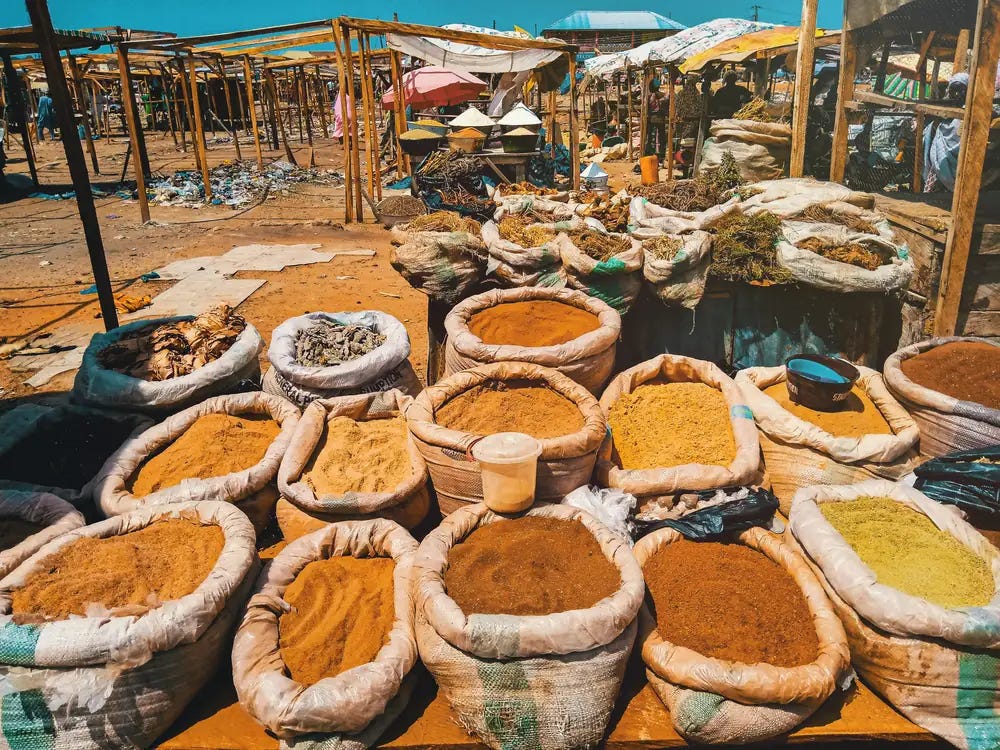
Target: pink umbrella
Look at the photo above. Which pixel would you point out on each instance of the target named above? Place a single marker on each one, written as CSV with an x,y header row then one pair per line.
x,y
433,86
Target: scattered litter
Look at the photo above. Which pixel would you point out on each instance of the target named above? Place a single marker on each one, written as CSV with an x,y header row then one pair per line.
x,y
149,276
248,258
387,294
346,278
45,263
128,303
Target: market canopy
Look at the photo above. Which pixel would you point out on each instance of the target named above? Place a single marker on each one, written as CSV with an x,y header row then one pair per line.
x,y
472,58
897,17
758,44
614,20
433,86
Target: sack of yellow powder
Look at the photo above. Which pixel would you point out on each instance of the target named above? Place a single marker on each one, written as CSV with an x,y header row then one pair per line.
x,y
608,266
127,673
718,701
355,705
196,466
445,266
721,439
569,443
557,676
30,520
521,330
871,437
935,663
676,265
529,260
948,423
352,457
101,386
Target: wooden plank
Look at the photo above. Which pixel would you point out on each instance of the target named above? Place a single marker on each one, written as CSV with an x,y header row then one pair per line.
x,y
183,42
229,107
132,119
399,111
344,99
934,110
671,122
628,129
961,63
434,32
975,137
574,124
803,87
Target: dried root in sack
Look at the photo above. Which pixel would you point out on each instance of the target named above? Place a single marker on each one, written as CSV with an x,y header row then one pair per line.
x,y
443,265
744,249
443,221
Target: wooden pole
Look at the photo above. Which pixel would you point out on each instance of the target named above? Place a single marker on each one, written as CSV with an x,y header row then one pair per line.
x,y
229,107
399,111
132,118
165,74
574,125
199,138
345,131
74,71
961,63
248,83
321,101
304,104
644,112
292,82
706,99
240,102
918,151
353,126
553,125
367,98
188,111
374,136
628,130
845,94
272,88
975,138
671,122
803,87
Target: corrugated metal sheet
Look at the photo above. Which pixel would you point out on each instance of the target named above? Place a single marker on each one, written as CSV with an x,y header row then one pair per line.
x,y
606,20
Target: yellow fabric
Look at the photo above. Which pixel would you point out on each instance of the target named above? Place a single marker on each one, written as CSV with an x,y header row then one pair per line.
x,y
742,47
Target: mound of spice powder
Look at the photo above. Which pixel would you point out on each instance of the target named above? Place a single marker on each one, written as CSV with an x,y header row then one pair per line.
x,y
857,417
13,531
355,456
511,406
342,613
966,370
163,561
213,446
908,552
730,602
529,566
670,424
540,322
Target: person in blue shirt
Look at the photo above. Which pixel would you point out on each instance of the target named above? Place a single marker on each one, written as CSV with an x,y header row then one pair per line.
x,y
46,116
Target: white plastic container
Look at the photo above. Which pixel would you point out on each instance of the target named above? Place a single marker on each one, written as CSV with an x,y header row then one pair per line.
x,y
509,463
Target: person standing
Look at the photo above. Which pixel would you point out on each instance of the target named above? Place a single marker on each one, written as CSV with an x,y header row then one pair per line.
x,y
46,116
656,113
731,98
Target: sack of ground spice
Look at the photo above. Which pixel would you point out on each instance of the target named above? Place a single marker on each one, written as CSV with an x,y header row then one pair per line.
x,y
564,329
60,450
30,520
522,251
323,355
870,437
225,448
227,365
446,419
677,424
951,387
108,631
741,643
676,265
326,644
603,265
352,457
915,587
445,266
533,652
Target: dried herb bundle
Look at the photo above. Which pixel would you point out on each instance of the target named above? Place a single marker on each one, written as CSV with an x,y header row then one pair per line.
x,y
599,246
755,109
855,253
663,248
444,221
524,231
699,194
744,250
826,215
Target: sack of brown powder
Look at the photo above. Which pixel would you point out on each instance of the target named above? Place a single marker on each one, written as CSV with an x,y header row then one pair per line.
x,y
372,458
357,705
535,681
30,520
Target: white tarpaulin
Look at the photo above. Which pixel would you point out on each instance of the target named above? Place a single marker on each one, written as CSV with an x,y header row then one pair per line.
x,y
469,57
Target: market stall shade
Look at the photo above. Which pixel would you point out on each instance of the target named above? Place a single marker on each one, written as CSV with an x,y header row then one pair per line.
x,y
433,86
765,44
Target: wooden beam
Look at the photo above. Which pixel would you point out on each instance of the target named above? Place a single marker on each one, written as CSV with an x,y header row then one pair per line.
x,y
671,121
318,37
248,83
574,125
644,112
434,32
961,63
272,89
345,131
184,42
934,110
229,108
82,103
186,95
321,100
199,130
352,125
803,87
628,129
399,111
132,119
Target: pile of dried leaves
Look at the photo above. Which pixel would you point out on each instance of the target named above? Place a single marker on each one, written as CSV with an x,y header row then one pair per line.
x,y
755,109
821,214
598,245
614,216
745,250
855,253
444,221
663,248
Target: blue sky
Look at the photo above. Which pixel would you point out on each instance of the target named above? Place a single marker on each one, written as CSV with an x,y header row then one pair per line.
x,y
210,16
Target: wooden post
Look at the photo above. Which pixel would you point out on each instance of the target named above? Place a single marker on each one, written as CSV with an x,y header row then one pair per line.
x,y
918,151
199,136
628,130
574,126
166,76
961,63
74,71
248,83
975,137
353,126
671,122
272,89
229,107
42,26
706,100
803,87
371,125
188,111
240,102
644,111
366,109
344,109
321,101
553,125
132,118
399,111
304,104
845,94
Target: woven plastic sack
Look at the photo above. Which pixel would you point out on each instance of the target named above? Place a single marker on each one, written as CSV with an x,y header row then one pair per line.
x,y
356,705
115,497
565,463
646,215
293,522
53,513
305,442
443,265
714,701
761,149
517,205
383,369
789,197
616,281
120,681
13,431
98,386
679,280
662,484
812,269
801,454
518,266
588,359
946,423
546,682
938,667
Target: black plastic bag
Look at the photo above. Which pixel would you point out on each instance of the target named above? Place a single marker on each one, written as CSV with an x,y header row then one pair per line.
x,y
716,521
965,480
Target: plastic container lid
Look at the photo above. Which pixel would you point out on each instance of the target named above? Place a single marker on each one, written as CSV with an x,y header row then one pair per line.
x,y
506,448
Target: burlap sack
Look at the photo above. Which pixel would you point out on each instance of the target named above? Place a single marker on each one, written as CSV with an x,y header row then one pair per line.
x,y
681,279
306,440
518,266
616,281
565,463
120,681
548,682
907,649
102,387
442,265
946,424
55,514
12,433
354,701
661,484
113,493
800,454
789,197
713,701
588,359
294,522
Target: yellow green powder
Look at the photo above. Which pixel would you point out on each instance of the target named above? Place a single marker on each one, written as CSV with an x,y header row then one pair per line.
x,y
908,552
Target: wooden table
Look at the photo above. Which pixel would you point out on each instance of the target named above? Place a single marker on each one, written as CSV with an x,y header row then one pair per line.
x,y
518,162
